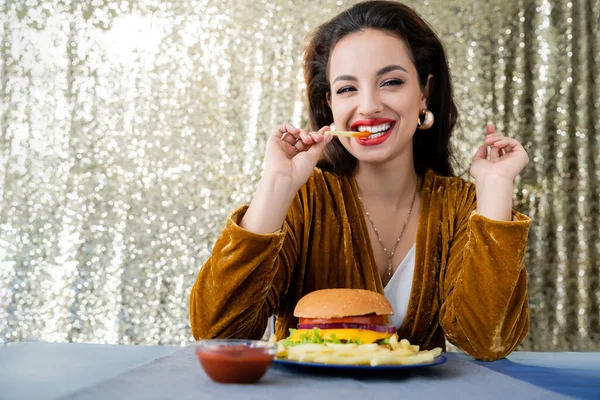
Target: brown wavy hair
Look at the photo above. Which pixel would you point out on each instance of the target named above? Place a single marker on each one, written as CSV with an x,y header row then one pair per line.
x,y
431,148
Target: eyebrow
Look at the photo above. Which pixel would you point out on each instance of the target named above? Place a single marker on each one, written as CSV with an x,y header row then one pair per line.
x,y
382,71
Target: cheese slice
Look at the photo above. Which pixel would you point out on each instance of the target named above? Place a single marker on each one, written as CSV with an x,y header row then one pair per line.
x,y
364,335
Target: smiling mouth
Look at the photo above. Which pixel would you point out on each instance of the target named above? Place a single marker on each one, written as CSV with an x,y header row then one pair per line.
x,y
376,131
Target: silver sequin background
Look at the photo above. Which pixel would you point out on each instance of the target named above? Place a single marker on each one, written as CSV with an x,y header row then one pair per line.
x,y
129,129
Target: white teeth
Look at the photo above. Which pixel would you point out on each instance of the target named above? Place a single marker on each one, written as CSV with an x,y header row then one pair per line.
x,y
376,135
377,130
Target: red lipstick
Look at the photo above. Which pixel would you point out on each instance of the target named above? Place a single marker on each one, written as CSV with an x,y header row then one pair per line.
x,y
373,122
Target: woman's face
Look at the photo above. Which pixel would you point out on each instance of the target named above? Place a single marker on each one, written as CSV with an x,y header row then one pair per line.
x,y
375,87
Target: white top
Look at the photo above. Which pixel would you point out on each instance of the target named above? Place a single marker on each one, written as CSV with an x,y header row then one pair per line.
x,y
397,290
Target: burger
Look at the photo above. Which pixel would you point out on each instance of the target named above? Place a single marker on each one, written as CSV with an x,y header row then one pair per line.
x,y
342,316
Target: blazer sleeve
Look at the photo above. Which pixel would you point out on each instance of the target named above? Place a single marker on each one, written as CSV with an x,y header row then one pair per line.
x,y
243,281
485,308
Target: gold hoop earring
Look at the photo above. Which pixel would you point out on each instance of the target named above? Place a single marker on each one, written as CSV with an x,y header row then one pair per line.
x,y
427,121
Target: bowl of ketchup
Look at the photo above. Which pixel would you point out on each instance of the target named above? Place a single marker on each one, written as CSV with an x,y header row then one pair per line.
x,y
235,360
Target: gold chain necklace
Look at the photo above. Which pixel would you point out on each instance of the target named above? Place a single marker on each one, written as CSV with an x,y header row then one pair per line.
x,y
391,255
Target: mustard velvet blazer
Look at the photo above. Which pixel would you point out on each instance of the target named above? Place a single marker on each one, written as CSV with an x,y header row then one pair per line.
x,y
469,284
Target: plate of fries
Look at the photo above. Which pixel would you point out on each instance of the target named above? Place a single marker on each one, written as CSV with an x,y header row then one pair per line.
x,y
343,358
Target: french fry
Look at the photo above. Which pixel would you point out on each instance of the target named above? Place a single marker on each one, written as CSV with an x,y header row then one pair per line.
x,y
418,358
436,351
394,342
335,132
369,347
281,350
382,359
308,347
362,134
402,353
359,359
342,345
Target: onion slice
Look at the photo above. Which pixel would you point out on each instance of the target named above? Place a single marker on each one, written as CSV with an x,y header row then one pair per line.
x,y
338,325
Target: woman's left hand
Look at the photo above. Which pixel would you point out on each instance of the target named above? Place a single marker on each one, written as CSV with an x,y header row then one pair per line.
x,y
507,157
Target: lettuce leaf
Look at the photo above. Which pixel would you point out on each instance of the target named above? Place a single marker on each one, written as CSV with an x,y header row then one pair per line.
x,y
314,337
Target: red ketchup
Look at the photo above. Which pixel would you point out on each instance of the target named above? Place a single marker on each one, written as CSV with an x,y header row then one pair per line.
x,y
235,364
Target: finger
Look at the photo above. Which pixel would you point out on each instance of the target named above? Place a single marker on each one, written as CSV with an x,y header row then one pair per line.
x,y
316,137
306,138
291,129
320,136
289,149
501,141
492,139
494,154
500,144
290,138
481,153
321,140
503,144
509,145
279,131
317,149
490,135
287,132
497,143
494,151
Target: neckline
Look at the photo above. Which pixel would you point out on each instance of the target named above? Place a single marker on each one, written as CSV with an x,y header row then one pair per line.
x,y
401,265
425,199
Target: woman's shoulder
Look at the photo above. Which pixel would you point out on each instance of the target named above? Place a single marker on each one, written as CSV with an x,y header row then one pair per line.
x,y
448,189
326,179
325,188
438,180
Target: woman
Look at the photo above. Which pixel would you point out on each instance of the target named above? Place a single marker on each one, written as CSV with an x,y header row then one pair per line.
x,y
383,213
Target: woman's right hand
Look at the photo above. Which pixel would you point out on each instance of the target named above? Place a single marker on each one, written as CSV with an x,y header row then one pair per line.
x,y
293,153
290,158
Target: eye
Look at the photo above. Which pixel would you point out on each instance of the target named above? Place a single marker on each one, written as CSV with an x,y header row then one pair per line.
x,y
345,89
392,82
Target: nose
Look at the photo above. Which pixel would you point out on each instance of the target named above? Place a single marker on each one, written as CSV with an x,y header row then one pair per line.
x,y
370,104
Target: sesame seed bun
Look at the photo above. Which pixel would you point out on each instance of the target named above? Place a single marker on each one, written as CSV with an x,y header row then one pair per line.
x,y
339,303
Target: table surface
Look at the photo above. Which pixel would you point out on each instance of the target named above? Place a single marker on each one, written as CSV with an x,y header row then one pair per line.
x,y
38,370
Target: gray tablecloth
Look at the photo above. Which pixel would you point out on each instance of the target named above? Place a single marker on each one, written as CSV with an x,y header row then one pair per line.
x,y
180,376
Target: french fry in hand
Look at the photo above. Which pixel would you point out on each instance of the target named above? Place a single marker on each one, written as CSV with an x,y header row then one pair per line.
x,y
362,134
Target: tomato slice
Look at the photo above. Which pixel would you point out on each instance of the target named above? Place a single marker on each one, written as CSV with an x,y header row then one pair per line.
x,y
365,319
